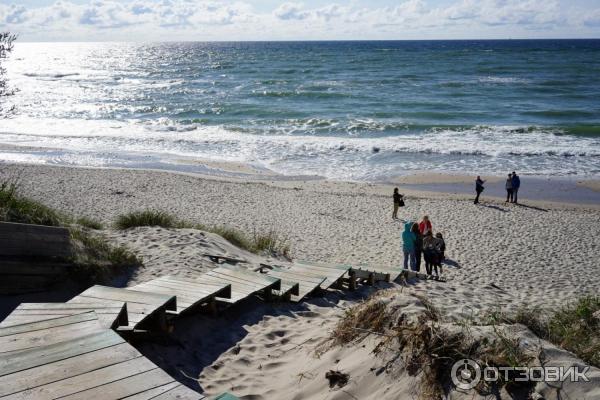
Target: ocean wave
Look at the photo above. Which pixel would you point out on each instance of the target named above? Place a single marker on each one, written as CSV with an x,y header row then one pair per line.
x,y
532,149
56,75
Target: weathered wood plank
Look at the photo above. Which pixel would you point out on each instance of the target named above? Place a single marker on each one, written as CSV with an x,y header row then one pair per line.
x,y
143,308
126,295
60,370
45,337
109,315
179,393
125,387
88,381
153,393
34,240
247,275
50,323
27,359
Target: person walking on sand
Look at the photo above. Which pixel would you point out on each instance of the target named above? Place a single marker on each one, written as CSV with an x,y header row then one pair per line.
x,y
425,225
398,202
408,246
509,189
516,183
418,245
478,188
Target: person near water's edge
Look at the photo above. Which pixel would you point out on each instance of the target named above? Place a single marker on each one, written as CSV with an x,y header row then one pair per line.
x,y
409,246
516,183
478,188
509,189
397,203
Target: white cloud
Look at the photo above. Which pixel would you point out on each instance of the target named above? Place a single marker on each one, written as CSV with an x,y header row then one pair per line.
x,y
211,19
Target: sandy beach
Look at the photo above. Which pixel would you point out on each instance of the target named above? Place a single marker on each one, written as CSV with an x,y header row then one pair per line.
x,y
500,257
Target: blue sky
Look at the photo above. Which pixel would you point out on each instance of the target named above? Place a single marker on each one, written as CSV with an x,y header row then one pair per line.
x,y
141,20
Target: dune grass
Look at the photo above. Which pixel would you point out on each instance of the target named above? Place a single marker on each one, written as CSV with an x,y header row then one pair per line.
x,y
96,260
90,223
428,347
16,208
574,327
146,218
270,241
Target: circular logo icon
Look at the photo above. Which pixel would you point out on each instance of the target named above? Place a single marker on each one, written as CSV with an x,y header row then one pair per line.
x,y
465,374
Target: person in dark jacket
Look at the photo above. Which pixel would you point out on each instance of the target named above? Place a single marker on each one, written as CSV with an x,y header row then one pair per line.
x,y
478,188
398,201
516,183
509,189
418,245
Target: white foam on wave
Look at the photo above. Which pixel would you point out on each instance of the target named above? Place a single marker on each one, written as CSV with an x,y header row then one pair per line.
x,y
493,148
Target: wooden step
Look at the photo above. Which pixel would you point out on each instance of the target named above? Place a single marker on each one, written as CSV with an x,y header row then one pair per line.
x,y
110,315
100,365
145,310
190,294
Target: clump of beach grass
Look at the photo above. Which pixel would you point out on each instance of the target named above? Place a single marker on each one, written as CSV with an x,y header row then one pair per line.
x,y
16,208
96,260
428,347
574,327
146,218
90,223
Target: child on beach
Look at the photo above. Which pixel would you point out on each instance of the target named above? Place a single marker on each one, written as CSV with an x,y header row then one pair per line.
x,y
442,246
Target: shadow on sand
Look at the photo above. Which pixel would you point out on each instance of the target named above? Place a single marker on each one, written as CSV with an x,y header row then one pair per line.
x,y
199,340
531,207
451,263
494,207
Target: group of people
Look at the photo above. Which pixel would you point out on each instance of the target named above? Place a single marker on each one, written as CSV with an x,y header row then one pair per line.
x,y
419,242
512,185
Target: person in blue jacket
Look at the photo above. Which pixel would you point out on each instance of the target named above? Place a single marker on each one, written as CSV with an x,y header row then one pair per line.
x,y
516,182
409,246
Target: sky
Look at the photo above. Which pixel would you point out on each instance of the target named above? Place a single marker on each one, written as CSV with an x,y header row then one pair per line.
x,y
208,20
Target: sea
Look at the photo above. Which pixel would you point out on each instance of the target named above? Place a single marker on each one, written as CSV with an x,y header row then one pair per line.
x,y
343,110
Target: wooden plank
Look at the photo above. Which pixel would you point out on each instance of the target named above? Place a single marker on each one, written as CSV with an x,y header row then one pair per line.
x,y
307,283
60,370
248,276
87,381
121,388
154,392
126,295
50,323
27,359
286,287
143,308
45,337
189,294
180,392
109,315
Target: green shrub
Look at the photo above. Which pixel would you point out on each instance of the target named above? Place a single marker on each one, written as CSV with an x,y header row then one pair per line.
x,y
146,218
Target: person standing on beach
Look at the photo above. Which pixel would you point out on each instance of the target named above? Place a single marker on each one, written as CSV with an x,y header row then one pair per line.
x,y
425,225
418,245
408,246
509,189
398,202
478,188
516,183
